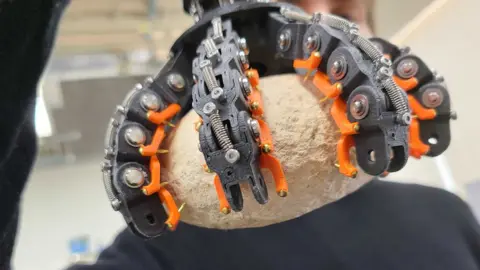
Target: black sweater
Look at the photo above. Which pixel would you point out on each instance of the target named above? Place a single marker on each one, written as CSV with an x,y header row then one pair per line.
x,y
381,226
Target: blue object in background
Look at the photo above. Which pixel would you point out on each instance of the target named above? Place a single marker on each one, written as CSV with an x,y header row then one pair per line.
x,y
79,245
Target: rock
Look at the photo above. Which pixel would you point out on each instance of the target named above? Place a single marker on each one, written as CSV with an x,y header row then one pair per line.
x,y
305,139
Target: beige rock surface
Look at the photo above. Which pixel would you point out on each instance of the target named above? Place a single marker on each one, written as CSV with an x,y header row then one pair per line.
x,y
305,140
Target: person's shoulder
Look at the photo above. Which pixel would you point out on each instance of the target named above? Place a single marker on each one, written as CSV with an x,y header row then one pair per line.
x,y
420,196
412,189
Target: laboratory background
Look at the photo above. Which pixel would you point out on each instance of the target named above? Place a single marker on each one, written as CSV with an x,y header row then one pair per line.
x,y
104,47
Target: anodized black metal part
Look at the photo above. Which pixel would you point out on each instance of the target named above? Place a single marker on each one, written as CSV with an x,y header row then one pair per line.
x,y
255,21
423,75
372,148
436,132
142,213
357,70
233,112
378,131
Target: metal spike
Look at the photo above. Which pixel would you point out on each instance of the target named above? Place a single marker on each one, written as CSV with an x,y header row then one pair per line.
x,y
169,124
323,99
181,207
308,75
164,184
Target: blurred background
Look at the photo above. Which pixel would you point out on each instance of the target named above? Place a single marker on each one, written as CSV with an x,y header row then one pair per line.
x,y
105,47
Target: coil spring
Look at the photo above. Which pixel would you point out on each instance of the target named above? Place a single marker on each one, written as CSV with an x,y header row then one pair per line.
x,y
208,74
336,22
397,96
366,46
220,132
107,183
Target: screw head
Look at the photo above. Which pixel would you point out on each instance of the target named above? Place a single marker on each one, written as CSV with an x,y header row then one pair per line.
x,y
359,106
242,44
405,119
245,85
339,68
243,59
312,43
116,204
109,152
176,82
209,108
254,127
407,68
135,136
150,101
284,40
217,93
148,80
134,177
432,98
232,156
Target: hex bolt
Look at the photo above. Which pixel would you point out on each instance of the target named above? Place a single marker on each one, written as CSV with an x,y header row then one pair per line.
x,y
284,40
232,156
217,94
407,68
209,108
109,152
133,177
150,101
453,115
121,109
405,118
176,82
148,80
135,136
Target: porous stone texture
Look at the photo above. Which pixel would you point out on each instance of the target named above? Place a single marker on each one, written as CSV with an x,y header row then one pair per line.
x,y
305,138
